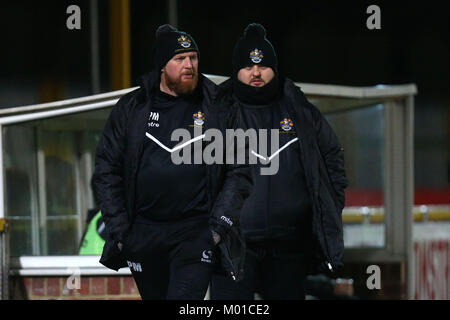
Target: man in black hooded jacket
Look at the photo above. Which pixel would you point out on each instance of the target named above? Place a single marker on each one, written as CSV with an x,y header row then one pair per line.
x,y
292,219
164,220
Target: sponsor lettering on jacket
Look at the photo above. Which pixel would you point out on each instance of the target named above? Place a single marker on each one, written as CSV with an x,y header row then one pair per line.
x,y
227,220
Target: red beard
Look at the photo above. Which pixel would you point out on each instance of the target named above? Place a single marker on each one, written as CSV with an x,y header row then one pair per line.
x,y
180,86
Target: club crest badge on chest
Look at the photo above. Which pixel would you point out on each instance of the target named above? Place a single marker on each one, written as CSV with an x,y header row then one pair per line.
x,y
199,118
286,124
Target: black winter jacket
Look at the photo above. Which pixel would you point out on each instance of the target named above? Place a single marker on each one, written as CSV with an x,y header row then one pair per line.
x,y
323,162
117,161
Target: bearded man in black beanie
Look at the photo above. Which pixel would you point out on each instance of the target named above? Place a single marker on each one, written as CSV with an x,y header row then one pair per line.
x,y
163,220
292,220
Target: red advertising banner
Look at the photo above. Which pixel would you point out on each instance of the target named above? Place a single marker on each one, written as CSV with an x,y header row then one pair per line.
x,y
432,269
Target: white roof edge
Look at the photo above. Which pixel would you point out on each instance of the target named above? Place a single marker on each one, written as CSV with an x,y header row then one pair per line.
x,y
61,266
377,91
63,272
30,262
42,114
68,102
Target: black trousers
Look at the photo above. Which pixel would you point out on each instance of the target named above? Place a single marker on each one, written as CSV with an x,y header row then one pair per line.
x,y
170,261
275,270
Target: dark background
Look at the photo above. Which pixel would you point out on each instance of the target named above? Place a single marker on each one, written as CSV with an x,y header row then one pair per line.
x,y
316,41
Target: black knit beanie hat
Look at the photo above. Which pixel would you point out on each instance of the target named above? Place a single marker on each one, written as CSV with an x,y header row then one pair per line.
x,y
254,48
169,42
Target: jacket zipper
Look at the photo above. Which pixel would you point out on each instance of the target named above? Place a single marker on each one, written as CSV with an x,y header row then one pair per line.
x,y
324,250
209,170
137,159
327,254
227,257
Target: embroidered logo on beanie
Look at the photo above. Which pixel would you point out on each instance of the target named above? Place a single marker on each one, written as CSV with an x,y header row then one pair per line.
x,y
184,41
168,42
256,55
254,48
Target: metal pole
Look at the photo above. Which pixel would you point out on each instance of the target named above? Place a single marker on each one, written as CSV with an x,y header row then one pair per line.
x,y
2,183
42,194
399,184
173,16
4,256
95,64
80,191
120,44
409,195
3,268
